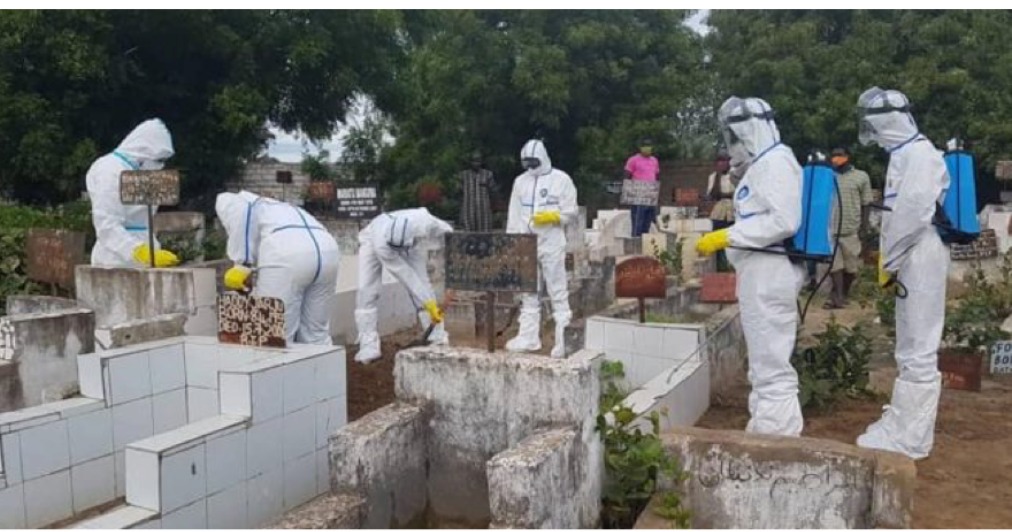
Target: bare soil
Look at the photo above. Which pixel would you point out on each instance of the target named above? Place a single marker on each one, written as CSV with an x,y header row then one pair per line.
x,y
967,480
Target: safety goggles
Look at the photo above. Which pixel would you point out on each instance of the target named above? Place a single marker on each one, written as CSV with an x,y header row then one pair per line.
x,y
530,163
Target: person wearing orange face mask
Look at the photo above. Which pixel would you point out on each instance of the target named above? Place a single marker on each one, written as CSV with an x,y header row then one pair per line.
x,y
851,220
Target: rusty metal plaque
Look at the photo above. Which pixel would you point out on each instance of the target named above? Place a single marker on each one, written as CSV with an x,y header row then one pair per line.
x,y
640,192
641,277
251,320
52,255
149,187
719,288
497,262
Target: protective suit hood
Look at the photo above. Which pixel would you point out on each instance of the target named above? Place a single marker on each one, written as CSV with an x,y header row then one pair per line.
x,y
148,142
885,118
748,128
232,206
536,148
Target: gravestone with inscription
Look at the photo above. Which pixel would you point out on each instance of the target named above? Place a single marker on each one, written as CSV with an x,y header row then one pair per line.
x,y
52,255
251,320
359,202
636,192
149,188
491,262
641,277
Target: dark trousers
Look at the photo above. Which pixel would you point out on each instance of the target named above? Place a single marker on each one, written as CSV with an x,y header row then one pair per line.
x,y
642,217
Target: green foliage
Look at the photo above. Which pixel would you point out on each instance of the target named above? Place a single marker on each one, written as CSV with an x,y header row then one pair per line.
x,y
867,292
672,260
73,83
633,460
973,322
670,507
215,245
811,65
318,166
836,366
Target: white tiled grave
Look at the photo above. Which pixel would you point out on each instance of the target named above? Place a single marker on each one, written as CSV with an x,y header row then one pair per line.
x,y
194,433
665,365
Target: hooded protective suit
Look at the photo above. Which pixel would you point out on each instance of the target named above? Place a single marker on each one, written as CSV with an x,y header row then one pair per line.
x,y
391,242
542,203
913,252
119,228
295,257
767,205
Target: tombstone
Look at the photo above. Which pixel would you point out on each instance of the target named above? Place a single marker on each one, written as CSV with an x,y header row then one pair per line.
x,y
52,255
491,262
251,320
360,202
641,193
149,188
719,288
641,278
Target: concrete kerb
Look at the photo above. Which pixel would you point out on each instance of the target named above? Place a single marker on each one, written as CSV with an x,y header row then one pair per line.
x,y
743,480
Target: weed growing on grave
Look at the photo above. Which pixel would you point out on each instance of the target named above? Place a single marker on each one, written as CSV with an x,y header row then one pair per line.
x,y
633,460
836,366
670,507
972,324
671,260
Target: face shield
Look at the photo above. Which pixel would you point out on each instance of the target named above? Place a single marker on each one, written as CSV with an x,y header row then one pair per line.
x,y
732,116
872,104
530,163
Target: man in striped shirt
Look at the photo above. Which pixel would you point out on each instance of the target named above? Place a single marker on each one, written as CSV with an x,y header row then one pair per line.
x,y
477,186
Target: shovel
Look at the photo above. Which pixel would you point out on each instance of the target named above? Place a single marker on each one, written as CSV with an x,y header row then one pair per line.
x,y
424,340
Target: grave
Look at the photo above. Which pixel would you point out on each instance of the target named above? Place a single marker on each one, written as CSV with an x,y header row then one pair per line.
x,y
511,444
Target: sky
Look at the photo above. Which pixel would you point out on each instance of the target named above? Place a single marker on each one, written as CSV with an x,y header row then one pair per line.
x,y
290,147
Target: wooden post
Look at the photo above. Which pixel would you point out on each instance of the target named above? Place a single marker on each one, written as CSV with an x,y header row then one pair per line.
x,y
490,319
151,234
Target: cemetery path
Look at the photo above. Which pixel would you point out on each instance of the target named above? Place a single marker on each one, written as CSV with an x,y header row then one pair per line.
x,y
967,480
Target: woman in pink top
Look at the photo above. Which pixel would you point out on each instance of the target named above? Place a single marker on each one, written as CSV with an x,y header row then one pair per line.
x,y
642,166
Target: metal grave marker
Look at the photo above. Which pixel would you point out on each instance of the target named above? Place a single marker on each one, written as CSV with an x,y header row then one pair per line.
x,y
491,262
150,188
1001,358
52,254
641,278
358,202
985,246
251,320
640,192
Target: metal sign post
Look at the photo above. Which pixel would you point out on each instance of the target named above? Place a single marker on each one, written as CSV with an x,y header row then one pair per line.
x,y
149,188
490,263
641,278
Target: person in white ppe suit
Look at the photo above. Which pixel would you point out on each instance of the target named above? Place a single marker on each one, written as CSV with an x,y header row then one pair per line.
x,y
295,259
543,202
392,242
912,255
767,206
122,230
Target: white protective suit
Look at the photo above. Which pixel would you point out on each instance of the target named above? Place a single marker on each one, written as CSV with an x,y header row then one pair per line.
x,y
538,190
912,250
295,258
391,242
767,211
121,228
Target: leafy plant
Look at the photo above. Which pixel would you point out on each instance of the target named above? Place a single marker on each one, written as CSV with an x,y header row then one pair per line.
x,y
633,460
670,507
836,366
672,260
867,292
184,245
215,244
972,324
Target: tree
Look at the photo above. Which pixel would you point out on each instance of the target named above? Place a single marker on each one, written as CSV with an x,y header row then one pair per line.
x,y
812,65
73,84
590,83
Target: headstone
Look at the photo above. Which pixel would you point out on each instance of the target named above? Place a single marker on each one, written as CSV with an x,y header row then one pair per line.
x,y
149,187
497,262
1001,358
358,202
251,320
52,255
636,192
687,197
984,247
719,288
640,277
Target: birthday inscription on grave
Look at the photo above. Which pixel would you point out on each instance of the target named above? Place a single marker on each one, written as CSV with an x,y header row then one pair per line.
x,y
149,187
357,202
491,262
251,320
52,255
640,277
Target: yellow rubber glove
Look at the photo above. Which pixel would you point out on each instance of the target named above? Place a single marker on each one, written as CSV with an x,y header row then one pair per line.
x,y
236,277
434,312
547,218
163,258
713,242
886,280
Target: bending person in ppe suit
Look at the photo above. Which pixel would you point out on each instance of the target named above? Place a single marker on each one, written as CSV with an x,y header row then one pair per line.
x,y
767,208
122,230
391,242
295,258
912,254
542,203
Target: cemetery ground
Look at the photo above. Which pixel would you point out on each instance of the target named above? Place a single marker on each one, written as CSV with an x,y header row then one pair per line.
x,y
967,480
